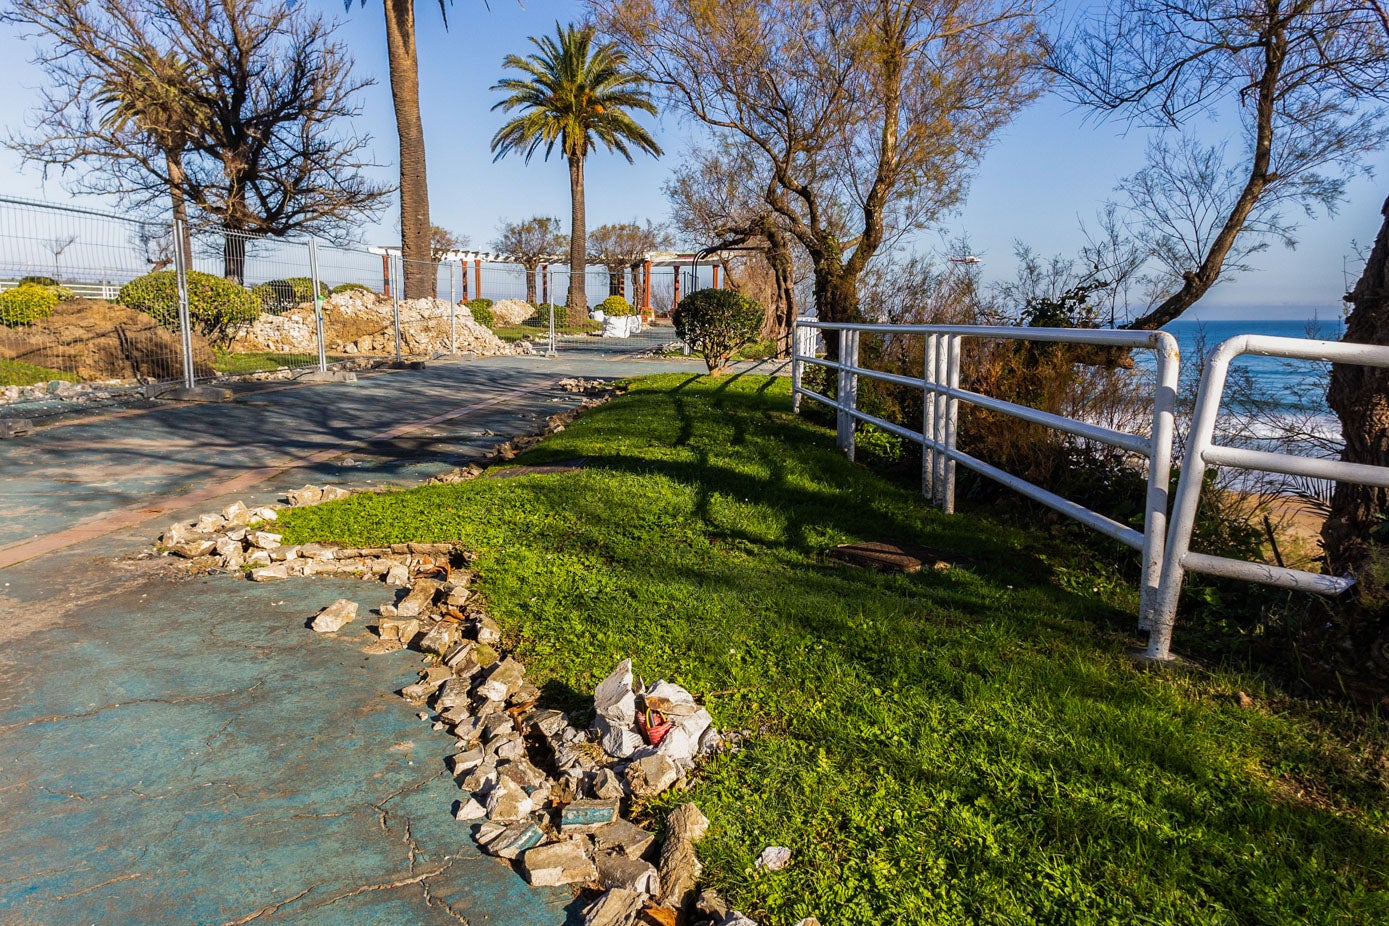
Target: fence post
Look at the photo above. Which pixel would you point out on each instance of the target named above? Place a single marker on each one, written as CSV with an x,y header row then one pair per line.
x,y
317,306
1159,476
550,352
797,366
185,328
846,400
928,420
453,320
952,415
398,271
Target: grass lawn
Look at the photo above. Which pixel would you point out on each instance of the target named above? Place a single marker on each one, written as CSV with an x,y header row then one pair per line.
x,y
538,328
236,364
19,373
967,745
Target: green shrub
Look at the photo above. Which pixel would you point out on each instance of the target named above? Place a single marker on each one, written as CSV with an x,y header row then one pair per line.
x,y
616,305
349,288
716,322
482,311
279,296
215,305
29,302
41,281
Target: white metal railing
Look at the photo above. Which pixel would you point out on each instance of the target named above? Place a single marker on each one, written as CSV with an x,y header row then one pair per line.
x,y
940,384
107,291
1202,451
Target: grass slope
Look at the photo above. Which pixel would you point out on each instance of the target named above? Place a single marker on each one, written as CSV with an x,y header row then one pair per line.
x,y
19,373
967,745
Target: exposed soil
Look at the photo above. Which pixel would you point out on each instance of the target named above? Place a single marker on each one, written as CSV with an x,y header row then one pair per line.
x,y
102,340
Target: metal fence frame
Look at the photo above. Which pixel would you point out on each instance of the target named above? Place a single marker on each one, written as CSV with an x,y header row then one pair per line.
x,y
1202,451
940,384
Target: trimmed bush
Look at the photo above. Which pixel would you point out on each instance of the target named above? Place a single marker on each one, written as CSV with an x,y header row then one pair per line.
x,y
29,302
616,305
279,296
349,288
215,305
716,322
482,311
41,281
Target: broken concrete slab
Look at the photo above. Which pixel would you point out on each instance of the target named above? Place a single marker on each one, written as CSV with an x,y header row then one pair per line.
x,y
651,775
508,802
558,863
419,600
617,907
618,871
623,836
267,573
332,618
585,816
511,840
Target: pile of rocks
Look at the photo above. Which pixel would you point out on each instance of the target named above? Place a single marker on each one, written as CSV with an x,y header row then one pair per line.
x,y
511,311
361,322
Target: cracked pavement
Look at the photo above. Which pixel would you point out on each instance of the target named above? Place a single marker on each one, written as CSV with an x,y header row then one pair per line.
x,y
179,749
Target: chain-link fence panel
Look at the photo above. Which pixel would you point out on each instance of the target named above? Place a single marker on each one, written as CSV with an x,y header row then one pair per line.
x,y
88,305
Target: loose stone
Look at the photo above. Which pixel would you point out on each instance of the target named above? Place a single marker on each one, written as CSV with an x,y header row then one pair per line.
x,y
623,836
332,618
619,871
558,863
266,573
585,816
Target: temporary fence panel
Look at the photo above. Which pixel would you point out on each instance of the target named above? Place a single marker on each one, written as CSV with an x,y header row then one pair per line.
x,y
942,395
92,255
1202,451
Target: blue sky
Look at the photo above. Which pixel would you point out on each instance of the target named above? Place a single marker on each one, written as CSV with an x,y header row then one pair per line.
x,y
1047,170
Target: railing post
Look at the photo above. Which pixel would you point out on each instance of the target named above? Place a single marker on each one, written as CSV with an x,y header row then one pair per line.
x,y
928,421
939,415
1159,474
952,415
317,306
185,327
797,367
398,270
1198,441
550,351
847,398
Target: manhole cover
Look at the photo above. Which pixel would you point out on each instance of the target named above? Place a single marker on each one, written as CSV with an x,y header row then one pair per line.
x,y
545,469
891,557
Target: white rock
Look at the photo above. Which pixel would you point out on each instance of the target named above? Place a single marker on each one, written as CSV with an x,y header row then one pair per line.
x,y
470,810
332,618
398,575
258,558
558,863
614,698
773,858
265,573
618,741
264,539
508,802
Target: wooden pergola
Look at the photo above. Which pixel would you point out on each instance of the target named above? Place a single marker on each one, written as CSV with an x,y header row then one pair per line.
x,y
676,260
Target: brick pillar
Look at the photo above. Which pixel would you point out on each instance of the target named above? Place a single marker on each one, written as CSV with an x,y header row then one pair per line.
x,y
477,277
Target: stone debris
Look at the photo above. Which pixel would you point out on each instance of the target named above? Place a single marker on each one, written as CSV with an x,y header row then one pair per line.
x,y
773,858
558,863
537,790
332,618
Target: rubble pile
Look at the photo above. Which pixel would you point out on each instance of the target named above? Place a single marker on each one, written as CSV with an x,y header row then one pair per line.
x,y
360,322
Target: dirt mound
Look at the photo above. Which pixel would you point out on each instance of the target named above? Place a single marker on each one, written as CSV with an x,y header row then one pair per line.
x,y
103,340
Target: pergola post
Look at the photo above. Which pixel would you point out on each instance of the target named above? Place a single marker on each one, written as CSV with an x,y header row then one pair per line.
x,y
646,287
716,276
477,277
544,283
677,284
385,274
463,272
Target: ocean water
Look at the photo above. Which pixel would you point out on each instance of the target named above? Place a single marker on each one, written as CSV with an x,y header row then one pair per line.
x,y
1299,386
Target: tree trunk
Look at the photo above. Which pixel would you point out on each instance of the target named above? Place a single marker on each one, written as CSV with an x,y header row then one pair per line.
x,y
418,269
1356,646
577,303
174,162
530,281
782,313
234,255
836,299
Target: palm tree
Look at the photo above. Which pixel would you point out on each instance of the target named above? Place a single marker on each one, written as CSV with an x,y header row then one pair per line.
x,y
415,228
150,94
577,93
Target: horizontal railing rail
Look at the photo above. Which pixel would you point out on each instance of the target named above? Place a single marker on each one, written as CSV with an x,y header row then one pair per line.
x,y
942,395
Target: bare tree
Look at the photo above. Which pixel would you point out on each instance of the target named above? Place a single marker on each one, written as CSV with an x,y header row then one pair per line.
x,y
261,91
719,198
537,240
619,245
866,115
1300,74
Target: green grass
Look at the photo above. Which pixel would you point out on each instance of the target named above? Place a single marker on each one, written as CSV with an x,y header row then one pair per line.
x,y
237,364
538,328
961,746
19,373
